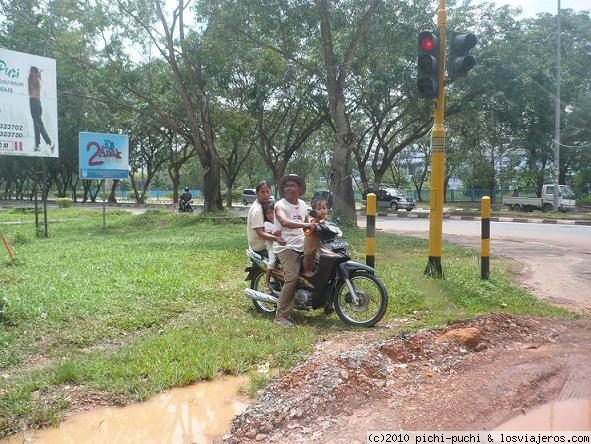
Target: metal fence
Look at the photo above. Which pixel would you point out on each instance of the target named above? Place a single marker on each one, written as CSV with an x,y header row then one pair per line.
x,y
469,194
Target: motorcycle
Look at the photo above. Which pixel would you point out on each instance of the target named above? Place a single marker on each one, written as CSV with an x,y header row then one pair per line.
x,y
350,288
185,207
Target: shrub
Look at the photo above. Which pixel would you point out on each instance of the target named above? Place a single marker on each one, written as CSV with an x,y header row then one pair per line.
x,y
18,238
585,199
64,202
3,307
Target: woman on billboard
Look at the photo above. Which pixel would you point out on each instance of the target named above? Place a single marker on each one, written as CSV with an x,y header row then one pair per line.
x,y
36,110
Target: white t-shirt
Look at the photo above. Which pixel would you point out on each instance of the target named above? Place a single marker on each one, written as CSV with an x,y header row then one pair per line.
x,y
255,220
293,236
268,227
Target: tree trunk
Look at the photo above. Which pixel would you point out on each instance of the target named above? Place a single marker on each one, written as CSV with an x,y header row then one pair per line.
x,y
175,177
278,171
73,185
229,193
212,186
85,189
341,174
112,195
98,189
139,198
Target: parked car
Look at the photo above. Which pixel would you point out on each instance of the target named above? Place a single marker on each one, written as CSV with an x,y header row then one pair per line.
x,y
566,200
324,195
391,198
249,195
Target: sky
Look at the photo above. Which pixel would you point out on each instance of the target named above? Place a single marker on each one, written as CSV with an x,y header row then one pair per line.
x,y
533,7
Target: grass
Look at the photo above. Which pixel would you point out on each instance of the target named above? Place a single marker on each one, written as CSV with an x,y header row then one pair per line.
x,y
155,301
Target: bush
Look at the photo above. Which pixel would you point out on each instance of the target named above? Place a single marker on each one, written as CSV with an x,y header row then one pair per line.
x,y
3,308
585,199
64,202
18,238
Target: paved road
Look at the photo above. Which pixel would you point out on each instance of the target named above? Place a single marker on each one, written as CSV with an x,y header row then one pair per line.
x,y
555,259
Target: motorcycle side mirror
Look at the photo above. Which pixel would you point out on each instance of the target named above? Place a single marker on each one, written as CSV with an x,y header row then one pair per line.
x,y
312,213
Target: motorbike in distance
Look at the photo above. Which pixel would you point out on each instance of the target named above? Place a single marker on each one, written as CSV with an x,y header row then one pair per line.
x,y
350,288
185,206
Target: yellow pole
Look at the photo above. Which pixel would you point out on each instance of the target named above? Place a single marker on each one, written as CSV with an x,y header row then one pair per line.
x,y
370,245
434,268
485,237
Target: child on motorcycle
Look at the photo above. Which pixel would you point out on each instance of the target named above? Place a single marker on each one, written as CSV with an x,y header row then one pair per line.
x,y
312,239
269,227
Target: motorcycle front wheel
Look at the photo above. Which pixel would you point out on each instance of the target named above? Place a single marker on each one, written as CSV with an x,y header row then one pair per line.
x,y
372,300
258,283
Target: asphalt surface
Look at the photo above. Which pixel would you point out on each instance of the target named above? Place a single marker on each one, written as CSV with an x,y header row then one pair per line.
x,y
552,260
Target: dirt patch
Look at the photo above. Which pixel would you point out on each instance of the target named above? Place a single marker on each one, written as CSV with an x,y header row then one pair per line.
x,y
419,382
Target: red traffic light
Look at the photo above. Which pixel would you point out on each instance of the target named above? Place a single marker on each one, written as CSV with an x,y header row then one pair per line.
x,y
428,65
428,41
427,44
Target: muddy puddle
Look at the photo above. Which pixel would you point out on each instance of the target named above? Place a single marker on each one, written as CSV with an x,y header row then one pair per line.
x,y
194,414
570,415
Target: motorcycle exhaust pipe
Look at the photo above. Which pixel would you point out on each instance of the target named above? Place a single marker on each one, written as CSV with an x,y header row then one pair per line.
x,y
260,296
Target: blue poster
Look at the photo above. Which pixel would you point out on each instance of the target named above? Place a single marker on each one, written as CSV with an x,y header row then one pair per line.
x,y
104,156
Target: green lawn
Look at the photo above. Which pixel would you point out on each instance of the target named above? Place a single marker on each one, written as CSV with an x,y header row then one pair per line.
x,y
156,301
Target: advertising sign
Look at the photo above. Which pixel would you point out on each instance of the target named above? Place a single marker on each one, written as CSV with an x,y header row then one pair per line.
x,y
28,105
104,156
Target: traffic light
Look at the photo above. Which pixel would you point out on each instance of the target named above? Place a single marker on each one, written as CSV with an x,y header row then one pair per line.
x,y
428,65
459,60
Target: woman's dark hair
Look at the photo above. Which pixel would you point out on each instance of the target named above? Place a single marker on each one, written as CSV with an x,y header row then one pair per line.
x,y
261,184
266,207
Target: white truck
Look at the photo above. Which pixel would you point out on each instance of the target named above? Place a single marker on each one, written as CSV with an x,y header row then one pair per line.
x,y
566,200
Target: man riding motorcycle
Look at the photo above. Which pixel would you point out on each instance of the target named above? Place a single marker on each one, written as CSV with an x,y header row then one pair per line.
x,y
185,201
291,217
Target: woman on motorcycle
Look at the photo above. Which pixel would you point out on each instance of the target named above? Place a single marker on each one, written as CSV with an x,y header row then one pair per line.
x,y
255,230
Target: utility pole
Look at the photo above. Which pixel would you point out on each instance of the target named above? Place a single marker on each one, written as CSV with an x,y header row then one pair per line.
x,y
557,115
433,268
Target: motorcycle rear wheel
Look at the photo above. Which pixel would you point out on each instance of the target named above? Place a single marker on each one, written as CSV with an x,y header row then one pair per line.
x,y
258,283
372,304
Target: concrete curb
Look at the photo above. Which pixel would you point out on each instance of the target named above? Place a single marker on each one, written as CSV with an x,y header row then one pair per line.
x,y
493,219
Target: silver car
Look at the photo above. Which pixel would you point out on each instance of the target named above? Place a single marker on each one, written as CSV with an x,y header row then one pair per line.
x,y
249,195
393,199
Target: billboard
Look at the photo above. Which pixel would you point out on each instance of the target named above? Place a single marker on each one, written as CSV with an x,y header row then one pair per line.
x,y
28,105
103,156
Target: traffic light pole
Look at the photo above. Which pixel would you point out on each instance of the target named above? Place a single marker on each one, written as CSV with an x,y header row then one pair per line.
x,y
434,268
557,117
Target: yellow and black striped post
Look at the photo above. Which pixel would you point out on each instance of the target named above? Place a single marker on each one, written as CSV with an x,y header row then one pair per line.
x,y
485,238
370,243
